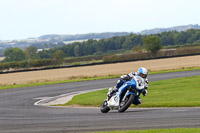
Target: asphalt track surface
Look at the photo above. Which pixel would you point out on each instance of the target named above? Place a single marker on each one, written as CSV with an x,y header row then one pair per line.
x,y
18,114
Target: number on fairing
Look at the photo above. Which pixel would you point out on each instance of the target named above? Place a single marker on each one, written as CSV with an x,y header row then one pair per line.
x,y
140,82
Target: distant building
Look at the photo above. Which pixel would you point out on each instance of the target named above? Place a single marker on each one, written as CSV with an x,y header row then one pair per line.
x,y
39,50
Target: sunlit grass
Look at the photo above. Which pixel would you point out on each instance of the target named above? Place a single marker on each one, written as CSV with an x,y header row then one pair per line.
x,y
180,92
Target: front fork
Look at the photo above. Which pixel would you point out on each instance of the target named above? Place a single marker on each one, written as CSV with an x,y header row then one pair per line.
x,y
125,95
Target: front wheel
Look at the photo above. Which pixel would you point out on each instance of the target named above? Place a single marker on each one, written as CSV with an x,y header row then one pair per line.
x,y
104,108
123,106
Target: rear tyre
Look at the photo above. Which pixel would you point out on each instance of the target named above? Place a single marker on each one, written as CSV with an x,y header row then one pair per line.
x,y
123,106
104,108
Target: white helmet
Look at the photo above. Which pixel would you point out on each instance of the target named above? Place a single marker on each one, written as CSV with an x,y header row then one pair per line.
x,y
142,72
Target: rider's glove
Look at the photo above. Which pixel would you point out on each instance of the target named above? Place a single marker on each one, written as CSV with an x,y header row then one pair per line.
x,y
125,77
144,92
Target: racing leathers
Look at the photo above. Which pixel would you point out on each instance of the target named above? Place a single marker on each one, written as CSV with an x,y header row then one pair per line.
x,y
125,78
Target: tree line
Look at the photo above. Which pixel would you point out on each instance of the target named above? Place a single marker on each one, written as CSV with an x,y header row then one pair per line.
x,y
98,47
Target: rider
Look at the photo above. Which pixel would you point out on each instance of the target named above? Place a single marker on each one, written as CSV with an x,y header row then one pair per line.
x,y
142,72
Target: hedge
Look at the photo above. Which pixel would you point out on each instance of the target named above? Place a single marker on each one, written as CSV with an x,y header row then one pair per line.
x,y
149,55
85,58
26,64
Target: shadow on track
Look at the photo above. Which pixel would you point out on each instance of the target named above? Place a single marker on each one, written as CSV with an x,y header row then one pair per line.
x,y
137,110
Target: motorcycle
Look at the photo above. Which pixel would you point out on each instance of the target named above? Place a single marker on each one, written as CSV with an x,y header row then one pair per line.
x,y
126,95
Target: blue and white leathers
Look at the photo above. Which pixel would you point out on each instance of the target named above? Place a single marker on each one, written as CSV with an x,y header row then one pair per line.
x,y
137,83
133,87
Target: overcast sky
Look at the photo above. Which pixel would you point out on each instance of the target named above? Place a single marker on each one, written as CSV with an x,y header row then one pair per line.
x,y
20,19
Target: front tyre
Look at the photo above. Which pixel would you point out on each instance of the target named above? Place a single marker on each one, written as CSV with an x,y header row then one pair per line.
x,y
104,108
123,106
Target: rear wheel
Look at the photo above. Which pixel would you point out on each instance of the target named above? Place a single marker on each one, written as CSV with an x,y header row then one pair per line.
x,y
123,106
104,108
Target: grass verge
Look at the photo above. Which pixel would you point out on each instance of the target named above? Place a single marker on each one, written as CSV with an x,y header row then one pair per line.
x,y
180,92
74,79
175,70
175,130
78,79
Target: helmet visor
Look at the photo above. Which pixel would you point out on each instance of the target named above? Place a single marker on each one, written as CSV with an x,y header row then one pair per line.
x,y
143,75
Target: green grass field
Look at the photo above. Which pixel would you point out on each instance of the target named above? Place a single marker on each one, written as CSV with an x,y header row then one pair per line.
x,y
180,92
176,130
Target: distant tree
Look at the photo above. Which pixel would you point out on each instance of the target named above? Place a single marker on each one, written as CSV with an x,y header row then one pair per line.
x,y
31,52
194,37
89,47
118,41
1,52
59,56
78,50
68,50
101,45
167,38
14,54
131,41
45,54
152,43
127,43
180,38
197,42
